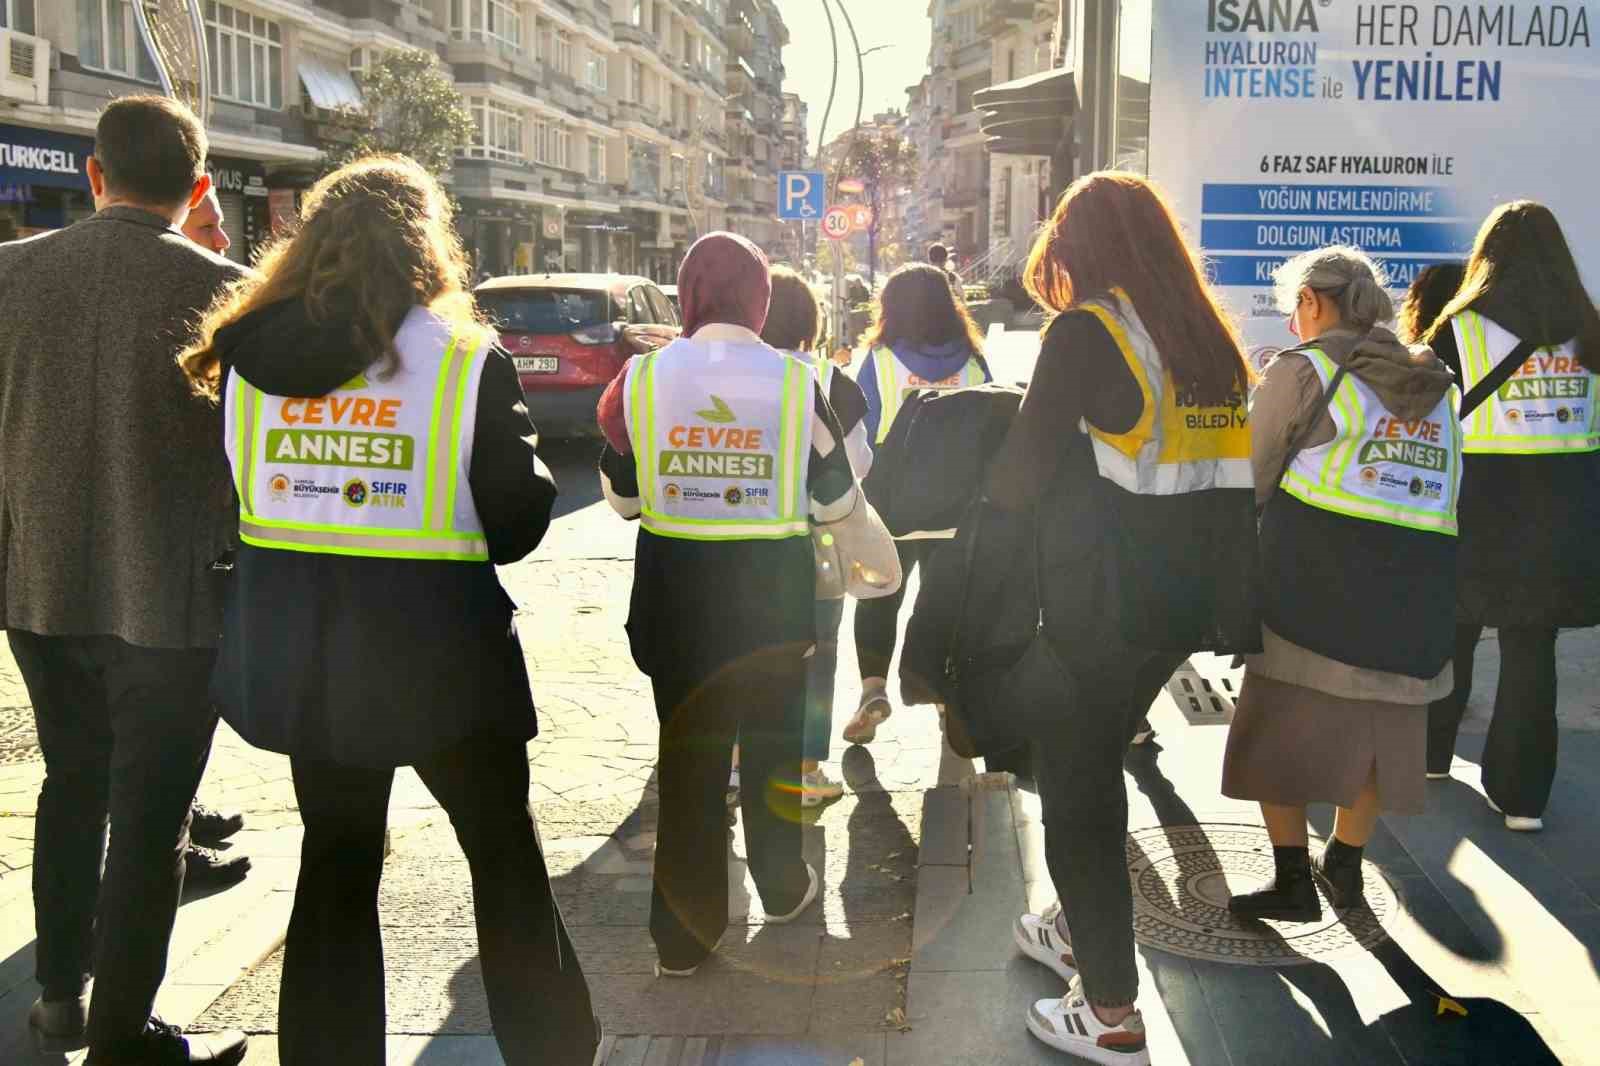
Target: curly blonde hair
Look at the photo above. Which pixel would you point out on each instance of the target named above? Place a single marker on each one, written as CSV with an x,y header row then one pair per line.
x,y
375,239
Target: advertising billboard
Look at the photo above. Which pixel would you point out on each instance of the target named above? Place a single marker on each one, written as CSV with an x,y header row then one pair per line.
x,y
1283,125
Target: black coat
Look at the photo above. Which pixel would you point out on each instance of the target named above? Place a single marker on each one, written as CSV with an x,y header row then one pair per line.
x,y
1527,552
381,662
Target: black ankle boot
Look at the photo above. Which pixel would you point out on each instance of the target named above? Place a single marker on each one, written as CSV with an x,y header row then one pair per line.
x,y
1339,866
1292,895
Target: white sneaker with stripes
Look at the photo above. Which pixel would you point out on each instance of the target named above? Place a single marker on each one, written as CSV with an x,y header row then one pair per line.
x,y
1044,938
1069,1024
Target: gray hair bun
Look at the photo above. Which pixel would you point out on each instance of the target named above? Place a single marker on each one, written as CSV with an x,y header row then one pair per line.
x,y
1342,273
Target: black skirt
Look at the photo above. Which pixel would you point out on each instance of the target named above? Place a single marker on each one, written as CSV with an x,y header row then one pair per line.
x,y
1528,551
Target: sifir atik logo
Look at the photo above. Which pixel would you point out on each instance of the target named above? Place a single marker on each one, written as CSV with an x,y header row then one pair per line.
x,y
1262,16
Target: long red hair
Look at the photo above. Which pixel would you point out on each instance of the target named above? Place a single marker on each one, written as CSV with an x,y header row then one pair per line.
x,y
1114,230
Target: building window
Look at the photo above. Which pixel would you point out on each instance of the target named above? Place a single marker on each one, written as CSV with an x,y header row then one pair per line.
x,y
563,52
108,36
678,168
246,54
16,15
594,71
636,81
499,131
495,20
597,158
1001,224
636,16
552,144
644,169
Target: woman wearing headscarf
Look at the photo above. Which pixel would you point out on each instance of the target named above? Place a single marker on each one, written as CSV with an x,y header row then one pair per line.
x,y
724,449
1357,455
1524,335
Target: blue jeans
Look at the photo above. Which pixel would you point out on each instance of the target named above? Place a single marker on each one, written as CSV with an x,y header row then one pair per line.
x,y
820,671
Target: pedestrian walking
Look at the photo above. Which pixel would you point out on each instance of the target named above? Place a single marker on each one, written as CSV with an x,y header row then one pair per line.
x,y
1524,337
117,514
922,337
385,463
204,224
1131,453
1356,448
793,325
725,450
939,256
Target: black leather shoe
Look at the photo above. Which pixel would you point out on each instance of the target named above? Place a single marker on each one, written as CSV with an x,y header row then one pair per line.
x,y
1290,897
57,1025
205,868
1340,871
167,1045
208,828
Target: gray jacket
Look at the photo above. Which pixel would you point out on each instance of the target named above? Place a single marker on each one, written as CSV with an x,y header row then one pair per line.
x,y
115,495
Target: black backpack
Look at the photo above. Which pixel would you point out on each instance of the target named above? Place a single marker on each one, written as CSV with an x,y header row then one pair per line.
x,y
931,466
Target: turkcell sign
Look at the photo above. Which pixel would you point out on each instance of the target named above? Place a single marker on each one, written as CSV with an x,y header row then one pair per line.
x,y
43,157
801,194
1392,126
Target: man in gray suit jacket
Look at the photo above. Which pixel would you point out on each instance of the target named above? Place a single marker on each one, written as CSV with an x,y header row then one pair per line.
x,y
115,502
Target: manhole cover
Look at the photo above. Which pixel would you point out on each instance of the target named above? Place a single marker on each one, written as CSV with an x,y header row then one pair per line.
x,y
1182,877
18,742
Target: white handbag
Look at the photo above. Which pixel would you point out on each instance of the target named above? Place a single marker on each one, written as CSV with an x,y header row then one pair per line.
x,y
855,554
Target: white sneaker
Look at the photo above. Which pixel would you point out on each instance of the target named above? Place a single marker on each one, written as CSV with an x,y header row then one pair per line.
x,y
1069,1024
812,890
1043,938
873,711
1515,822
1438,777
817,788
662,971
732,795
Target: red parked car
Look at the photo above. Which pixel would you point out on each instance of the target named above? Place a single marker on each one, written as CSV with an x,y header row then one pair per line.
x,y
569,335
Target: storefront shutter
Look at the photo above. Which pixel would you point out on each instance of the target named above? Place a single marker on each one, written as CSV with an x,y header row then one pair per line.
x,y
233,225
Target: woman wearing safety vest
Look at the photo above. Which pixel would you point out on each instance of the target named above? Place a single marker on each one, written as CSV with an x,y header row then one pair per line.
x,y
922,337
724,449
1357,454
384,462
1132,454
793,325
1525,338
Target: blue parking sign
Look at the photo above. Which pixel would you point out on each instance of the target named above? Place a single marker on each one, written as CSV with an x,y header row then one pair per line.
x,y
800,194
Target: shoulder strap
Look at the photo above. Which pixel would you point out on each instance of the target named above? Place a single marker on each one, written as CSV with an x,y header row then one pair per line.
x,y
1496,377
1304,435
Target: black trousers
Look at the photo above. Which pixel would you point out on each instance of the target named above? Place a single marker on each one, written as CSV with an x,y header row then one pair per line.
x,y
1519,754
331,1006
760,700
125,733
878,620
1084,803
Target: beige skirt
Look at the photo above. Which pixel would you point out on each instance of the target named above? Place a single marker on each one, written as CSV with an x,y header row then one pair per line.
x,y
1292,746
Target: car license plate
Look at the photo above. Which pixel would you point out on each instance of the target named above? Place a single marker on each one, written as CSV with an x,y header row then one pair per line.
x,y
538,364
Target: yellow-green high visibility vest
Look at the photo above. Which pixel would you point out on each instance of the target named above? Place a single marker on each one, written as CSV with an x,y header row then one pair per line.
x,y
1378,467
1547,407
377,468
896,382
1177,446
721,435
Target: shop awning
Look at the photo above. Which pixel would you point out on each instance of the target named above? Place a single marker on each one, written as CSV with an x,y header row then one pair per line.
x,y
330,86
1028,116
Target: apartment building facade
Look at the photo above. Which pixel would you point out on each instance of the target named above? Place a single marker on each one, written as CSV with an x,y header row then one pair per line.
x,y
982,206
602,135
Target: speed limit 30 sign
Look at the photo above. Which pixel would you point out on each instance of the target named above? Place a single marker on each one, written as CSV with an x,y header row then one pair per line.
x,y
836,224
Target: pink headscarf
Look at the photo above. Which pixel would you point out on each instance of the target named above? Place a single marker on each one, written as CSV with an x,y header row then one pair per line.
x,y
724,279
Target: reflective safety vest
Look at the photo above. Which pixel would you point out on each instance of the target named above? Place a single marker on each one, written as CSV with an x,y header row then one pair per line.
x,y
1546,407
896,382
376,468
824,367
1378,467
1177,446
721,435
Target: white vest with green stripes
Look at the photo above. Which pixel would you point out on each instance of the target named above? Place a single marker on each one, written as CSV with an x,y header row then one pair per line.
x,y
721,436
1405,472
896,382
376,468
1546,407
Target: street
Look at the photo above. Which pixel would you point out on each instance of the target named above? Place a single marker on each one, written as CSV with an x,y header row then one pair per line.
x,y
909,958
